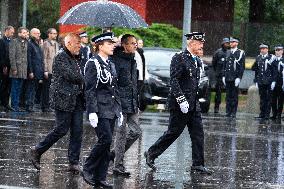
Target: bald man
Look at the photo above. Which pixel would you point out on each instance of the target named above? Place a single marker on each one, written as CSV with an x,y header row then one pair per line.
x,y
35,68
67,99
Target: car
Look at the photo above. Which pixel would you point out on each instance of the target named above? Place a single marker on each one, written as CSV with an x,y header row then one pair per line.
x,y
157,81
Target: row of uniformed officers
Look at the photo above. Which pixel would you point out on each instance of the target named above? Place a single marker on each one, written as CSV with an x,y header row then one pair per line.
x,y
229,65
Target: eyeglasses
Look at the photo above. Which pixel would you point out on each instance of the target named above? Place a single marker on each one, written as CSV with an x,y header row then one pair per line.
x,y
133,43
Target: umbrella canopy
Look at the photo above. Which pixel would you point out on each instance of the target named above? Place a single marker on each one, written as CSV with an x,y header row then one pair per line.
x,y
103,14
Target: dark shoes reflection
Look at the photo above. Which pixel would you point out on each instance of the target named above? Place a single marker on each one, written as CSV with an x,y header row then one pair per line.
x,y
201,169
74,168
118,172
150,161
97,184
35,158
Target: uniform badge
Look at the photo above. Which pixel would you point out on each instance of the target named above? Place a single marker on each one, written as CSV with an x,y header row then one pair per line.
x,y
222,59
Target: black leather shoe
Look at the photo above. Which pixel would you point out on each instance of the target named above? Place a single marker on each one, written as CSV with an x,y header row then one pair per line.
x,y
216,110
35,158
228,115
149,161
87,178
103,184
74,168
273,117
201,169
119,172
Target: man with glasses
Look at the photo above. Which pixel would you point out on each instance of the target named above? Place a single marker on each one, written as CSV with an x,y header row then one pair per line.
x,y
50,48
184,105
130,130
265,80
277,93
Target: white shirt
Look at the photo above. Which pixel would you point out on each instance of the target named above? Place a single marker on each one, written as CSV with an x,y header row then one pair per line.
x,y
139,63
234,50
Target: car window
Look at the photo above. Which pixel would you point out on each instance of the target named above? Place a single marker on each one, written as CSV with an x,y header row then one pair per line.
x,y
158,58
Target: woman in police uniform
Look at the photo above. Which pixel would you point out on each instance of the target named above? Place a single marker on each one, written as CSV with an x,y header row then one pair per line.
x,y
103,108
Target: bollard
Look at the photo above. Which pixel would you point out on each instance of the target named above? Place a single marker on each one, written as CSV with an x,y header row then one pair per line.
x,y
253,100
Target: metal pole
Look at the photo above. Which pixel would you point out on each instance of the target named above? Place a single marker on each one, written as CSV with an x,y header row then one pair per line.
x,y
186,20
24,23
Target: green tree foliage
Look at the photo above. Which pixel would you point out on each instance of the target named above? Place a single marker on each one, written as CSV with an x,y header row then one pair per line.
x,y
160,35
43,14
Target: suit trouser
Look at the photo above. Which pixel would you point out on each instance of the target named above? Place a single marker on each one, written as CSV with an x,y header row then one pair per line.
x,y
65,121
178,121
277,101
5,88
126,135
32,86
98,161
265,100
45,92
231,98
218,88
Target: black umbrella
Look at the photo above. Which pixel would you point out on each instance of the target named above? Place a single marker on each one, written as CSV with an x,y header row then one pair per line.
x,y
103,14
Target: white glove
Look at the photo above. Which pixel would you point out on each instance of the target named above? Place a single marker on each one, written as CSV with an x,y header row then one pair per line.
x,y
120,120
237,82
224,82
256,85
93,118
273,85
184,107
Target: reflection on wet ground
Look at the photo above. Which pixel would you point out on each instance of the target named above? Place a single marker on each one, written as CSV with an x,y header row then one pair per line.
x,y
241,152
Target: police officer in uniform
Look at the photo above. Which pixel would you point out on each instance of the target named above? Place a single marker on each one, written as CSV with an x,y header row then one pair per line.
x,y
265,79
277,93
218,61
85,50
183,104
232,74
103,109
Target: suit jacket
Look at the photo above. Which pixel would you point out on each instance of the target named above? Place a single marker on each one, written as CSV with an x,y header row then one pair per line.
x,y
101,97
234,66
35,59
66,90
4,54
184,80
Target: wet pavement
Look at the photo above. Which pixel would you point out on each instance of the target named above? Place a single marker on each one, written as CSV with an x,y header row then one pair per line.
x,y
241,152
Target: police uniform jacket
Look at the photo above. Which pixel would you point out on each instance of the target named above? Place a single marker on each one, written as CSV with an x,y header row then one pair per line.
x,y
234,65
184,80
218,61
85,54
101,97
126,69
264,70
66,90
278,65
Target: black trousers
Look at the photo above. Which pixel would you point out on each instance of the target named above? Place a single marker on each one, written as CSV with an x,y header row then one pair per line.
x,y
231,98
178,121
277,101
65,121
97,162
45,92
5,89
218,88
265,100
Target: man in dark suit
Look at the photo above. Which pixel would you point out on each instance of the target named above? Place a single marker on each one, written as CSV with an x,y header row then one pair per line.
x,y
5,82
85,50
67,98
184,105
